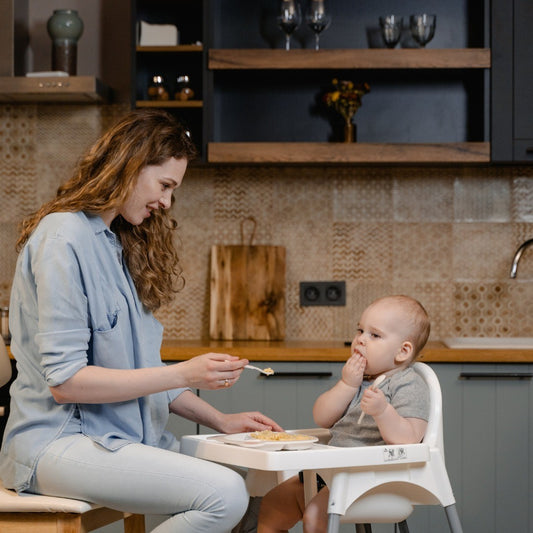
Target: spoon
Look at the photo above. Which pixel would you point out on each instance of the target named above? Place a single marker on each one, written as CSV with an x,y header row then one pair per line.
x,y
374,386
266,371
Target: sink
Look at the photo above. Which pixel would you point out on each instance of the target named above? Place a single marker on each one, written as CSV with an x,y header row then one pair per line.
x,y
496,343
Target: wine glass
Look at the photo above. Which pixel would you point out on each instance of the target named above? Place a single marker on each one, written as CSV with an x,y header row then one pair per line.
x,y
317,19
423,28
289,19
391,29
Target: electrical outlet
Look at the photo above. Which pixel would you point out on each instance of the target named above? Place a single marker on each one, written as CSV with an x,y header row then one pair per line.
x,y
322,293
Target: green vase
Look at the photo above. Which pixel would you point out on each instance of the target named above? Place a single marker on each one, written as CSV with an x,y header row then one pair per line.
x,y
65,28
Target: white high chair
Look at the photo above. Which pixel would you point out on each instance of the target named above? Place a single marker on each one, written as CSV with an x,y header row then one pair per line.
x,y
368,484
385,491
29,513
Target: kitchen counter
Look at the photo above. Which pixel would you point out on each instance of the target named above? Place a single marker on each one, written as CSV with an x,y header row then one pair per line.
x,y
317,351
434,352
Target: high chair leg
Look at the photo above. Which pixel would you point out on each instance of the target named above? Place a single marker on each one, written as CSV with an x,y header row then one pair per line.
x,y
402,526
333,522
453,519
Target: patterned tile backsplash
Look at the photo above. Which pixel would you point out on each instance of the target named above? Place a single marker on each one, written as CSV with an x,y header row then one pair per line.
x,y
445,235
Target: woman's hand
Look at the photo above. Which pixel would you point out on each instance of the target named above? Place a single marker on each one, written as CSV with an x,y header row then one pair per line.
x,y
353,371
243,422
211,371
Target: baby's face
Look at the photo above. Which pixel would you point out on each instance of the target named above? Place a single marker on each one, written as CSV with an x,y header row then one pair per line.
x,y
380,335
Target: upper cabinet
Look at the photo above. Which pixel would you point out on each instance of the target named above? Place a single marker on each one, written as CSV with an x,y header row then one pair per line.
x,y
512,79
461,99
424,105
169,60
25,47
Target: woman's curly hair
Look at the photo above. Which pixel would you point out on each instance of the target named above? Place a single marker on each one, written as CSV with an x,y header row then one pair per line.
x,y
103,180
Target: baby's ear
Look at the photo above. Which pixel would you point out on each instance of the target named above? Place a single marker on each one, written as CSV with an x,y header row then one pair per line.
x,y
405,353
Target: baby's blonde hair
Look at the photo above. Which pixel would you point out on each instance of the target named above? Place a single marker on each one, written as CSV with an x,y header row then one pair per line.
x,y
417,318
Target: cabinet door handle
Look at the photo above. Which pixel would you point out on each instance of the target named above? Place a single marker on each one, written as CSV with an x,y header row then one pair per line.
x,y
495,375
303,375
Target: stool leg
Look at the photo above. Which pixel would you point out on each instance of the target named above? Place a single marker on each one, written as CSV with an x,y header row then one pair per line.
x,y
453,519
134,523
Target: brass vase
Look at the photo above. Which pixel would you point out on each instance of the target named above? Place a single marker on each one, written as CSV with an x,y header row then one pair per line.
x,y
349,132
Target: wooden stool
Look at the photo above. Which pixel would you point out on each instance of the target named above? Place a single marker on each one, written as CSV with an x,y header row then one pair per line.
x,y
28,513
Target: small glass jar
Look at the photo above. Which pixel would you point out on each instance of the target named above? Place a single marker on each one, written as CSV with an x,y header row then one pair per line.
x,y
157,89
183,89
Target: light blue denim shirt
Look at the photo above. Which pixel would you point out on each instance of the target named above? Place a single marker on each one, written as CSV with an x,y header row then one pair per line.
x,y
73,303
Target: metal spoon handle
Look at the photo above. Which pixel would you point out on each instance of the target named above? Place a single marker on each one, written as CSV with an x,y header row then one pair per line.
x,y
266,371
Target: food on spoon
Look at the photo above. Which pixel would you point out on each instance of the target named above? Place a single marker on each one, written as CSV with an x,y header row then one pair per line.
x,y
267,434
268,371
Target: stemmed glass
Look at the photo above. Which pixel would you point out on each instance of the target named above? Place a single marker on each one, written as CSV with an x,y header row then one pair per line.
x,y
317,19
391,29
289,19
423,28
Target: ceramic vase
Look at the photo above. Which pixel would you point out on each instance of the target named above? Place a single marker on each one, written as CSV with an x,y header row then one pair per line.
x,y
65,28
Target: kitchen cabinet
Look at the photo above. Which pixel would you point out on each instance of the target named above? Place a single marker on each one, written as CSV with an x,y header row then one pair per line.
x,y
425,105
258,103
20,19
184,59
488,426
512,78
287,396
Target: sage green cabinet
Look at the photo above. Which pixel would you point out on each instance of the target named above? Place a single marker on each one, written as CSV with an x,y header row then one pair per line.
x,y
287,396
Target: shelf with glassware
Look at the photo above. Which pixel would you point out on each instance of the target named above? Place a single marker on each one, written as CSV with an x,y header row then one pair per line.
x,y
371,58
236,63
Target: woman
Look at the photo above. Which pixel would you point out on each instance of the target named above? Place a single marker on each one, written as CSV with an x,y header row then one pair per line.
x,y
92,397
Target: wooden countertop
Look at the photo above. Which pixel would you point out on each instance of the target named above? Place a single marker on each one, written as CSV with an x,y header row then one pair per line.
x,y
325,351
435,352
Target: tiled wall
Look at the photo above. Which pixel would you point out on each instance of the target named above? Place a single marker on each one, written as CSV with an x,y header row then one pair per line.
x,y
445,235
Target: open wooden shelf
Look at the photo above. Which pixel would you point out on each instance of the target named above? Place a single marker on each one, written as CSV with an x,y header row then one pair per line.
x,y
169,103
68,89
301,152
372,58
177,48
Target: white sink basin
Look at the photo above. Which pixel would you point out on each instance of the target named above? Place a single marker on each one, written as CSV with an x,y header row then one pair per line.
x,y
496,343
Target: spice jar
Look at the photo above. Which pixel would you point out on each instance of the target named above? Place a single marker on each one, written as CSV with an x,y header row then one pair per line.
x,y
157,89
183,89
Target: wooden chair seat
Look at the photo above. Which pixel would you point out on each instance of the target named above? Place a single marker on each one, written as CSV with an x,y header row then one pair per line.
x,y
29,513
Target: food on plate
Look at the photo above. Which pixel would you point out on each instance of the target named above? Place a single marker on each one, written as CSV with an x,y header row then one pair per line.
x,y
267,434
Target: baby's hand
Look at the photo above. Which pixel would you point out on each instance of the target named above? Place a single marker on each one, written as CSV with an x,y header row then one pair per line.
x,y
353,370
373,402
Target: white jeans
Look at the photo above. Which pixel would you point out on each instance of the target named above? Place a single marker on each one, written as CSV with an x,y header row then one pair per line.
x,y
199,495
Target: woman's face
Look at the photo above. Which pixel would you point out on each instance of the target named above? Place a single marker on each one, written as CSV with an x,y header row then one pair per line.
x,y
153,190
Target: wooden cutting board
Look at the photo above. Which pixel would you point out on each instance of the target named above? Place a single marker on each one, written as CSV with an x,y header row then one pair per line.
x,y
247,292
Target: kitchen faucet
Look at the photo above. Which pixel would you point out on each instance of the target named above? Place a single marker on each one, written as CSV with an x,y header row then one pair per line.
x,y
518,255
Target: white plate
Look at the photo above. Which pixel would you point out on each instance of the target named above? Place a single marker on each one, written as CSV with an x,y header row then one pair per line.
x,y
244,439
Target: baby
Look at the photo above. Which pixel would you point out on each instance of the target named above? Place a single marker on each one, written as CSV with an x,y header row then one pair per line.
x,y
391,333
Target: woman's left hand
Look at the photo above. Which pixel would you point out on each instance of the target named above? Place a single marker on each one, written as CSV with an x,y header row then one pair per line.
x,y
250,421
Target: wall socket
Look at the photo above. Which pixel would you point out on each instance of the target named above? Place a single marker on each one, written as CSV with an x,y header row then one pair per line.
x,y
322,293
